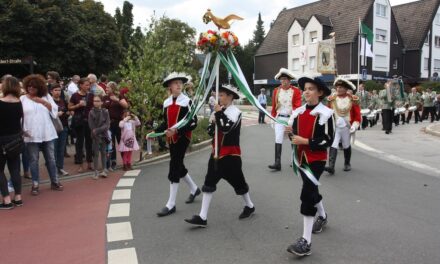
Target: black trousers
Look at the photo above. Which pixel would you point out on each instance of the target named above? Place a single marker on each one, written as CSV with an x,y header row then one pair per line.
x,y
416,114
428,111
310,193
83,135
177,154
116,138
364,122
261,116
387,119
229,168
13,167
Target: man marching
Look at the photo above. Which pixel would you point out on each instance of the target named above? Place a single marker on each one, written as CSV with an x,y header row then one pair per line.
x,y
347,118
285,99
228,165
414,100
175,108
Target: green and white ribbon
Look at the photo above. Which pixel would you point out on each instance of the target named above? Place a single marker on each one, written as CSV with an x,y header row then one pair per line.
x,y
304,167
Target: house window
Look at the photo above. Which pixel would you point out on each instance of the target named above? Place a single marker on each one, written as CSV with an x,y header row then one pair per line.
x,y
427,40
437,19
312,63
295,40
437,41
395,64
381,61
313,36
426,64
381,10
381,35
436,65
295,64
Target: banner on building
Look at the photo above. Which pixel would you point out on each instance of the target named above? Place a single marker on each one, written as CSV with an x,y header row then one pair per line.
x,y
327,57
303,55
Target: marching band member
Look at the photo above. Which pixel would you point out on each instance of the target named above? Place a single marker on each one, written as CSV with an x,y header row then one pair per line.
x,y
365,101
175,108
347,117
285,99
414,101
428,98
386,97
399,112
227,117
312,129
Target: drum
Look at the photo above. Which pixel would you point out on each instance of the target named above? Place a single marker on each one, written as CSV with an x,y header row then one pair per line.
x,y
399,111
365,112
371,116
412,108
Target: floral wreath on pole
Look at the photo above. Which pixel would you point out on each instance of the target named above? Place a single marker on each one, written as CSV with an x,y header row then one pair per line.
x,y
214,41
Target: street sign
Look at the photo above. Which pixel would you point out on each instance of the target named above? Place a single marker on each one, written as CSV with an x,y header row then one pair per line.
x,y
364,74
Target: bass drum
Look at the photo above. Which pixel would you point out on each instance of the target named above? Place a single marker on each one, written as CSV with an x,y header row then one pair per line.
x,y
412,108
365,112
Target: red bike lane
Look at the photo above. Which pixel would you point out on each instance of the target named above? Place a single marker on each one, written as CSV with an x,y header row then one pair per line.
x,y
59,227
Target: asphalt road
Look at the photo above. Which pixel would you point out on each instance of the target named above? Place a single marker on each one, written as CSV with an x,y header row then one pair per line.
x,y
378,213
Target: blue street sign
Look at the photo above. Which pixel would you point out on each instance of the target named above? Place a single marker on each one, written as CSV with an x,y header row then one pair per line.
x,y
364,74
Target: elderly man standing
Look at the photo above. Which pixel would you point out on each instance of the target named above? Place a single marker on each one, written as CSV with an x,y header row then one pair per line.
x,y
73,85
285,99
262,99
94,87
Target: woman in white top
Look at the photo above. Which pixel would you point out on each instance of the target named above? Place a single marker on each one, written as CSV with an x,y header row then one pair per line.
x,y
39,108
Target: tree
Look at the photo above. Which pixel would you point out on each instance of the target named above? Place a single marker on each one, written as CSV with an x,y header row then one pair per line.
x,y
124,22
259,32
168,45
72,37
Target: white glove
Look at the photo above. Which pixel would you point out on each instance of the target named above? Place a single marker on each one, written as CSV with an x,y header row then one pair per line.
x,y
354,127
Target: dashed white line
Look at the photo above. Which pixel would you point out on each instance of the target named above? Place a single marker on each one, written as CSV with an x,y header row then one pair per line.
x,y
125,255
132,173
119,232
119,210
125,183
123,194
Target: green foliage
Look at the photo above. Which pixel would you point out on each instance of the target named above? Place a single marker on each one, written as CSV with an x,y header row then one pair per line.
x,y
434,86
200,134
259,32
124,22
168,45
72,37
372,85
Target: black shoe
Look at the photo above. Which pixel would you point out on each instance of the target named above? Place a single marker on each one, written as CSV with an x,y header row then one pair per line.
x,y
165,211
247,211
347,167
300,248
17,203
319,224
193,196
8,206
197,221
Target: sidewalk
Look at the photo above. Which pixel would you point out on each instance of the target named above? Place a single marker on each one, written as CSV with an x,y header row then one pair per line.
x,y
409,142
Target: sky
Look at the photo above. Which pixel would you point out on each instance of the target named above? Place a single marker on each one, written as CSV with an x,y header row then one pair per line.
x,y
191,12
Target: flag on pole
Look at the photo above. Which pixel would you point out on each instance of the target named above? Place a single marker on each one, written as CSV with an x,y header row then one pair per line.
x,y
367,38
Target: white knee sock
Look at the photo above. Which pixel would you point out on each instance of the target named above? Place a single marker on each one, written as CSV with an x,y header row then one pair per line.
x,y
308,226
192,186
247,200
321,211
173,194
206,200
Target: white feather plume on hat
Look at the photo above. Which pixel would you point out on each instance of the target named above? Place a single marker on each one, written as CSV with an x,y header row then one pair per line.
x,y
284,71
349,83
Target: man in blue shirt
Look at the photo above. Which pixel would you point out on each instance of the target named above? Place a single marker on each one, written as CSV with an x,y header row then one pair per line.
x,y
263,101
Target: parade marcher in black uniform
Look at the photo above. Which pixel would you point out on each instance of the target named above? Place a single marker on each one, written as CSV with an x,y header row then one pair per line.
x,y
175,108
228,165
312,129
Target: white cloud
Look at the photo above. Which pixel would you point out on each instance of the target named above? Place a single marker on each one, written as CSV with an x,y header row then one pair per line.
x,y
191,11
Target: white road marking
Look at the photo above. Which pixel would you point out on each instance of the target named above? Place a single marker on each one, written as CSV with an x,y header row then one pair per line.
x,y
125,183
119,231
119,210
125,255
400,161
124,194
132,173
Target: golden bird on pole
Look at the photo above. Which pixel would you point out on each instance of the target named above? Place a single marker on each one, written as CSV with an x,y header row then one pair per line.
x,y
220,22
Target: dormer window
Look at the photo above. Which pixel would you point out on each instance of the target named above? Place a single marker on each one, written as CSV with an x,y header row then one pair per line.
x,y
313,36
381,10
295,40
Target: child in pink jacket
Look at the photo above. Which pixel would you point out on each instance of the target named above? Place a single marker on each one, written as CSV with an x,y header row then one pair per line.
x,y
128,141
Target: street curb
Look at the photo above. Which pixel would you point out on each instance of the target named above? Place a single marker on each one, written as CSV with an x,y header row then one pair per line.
x,y
430,130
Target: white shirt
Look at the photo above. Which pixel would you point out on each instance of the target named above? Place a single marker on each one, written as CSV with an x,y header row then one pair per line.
x,y
38,120
72,88
285,101
211,101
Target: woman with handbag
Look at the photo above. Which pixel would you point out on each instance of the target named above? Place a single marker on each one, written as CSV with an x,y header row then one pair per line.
x,y
11,141
99,124
39,109
81,103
